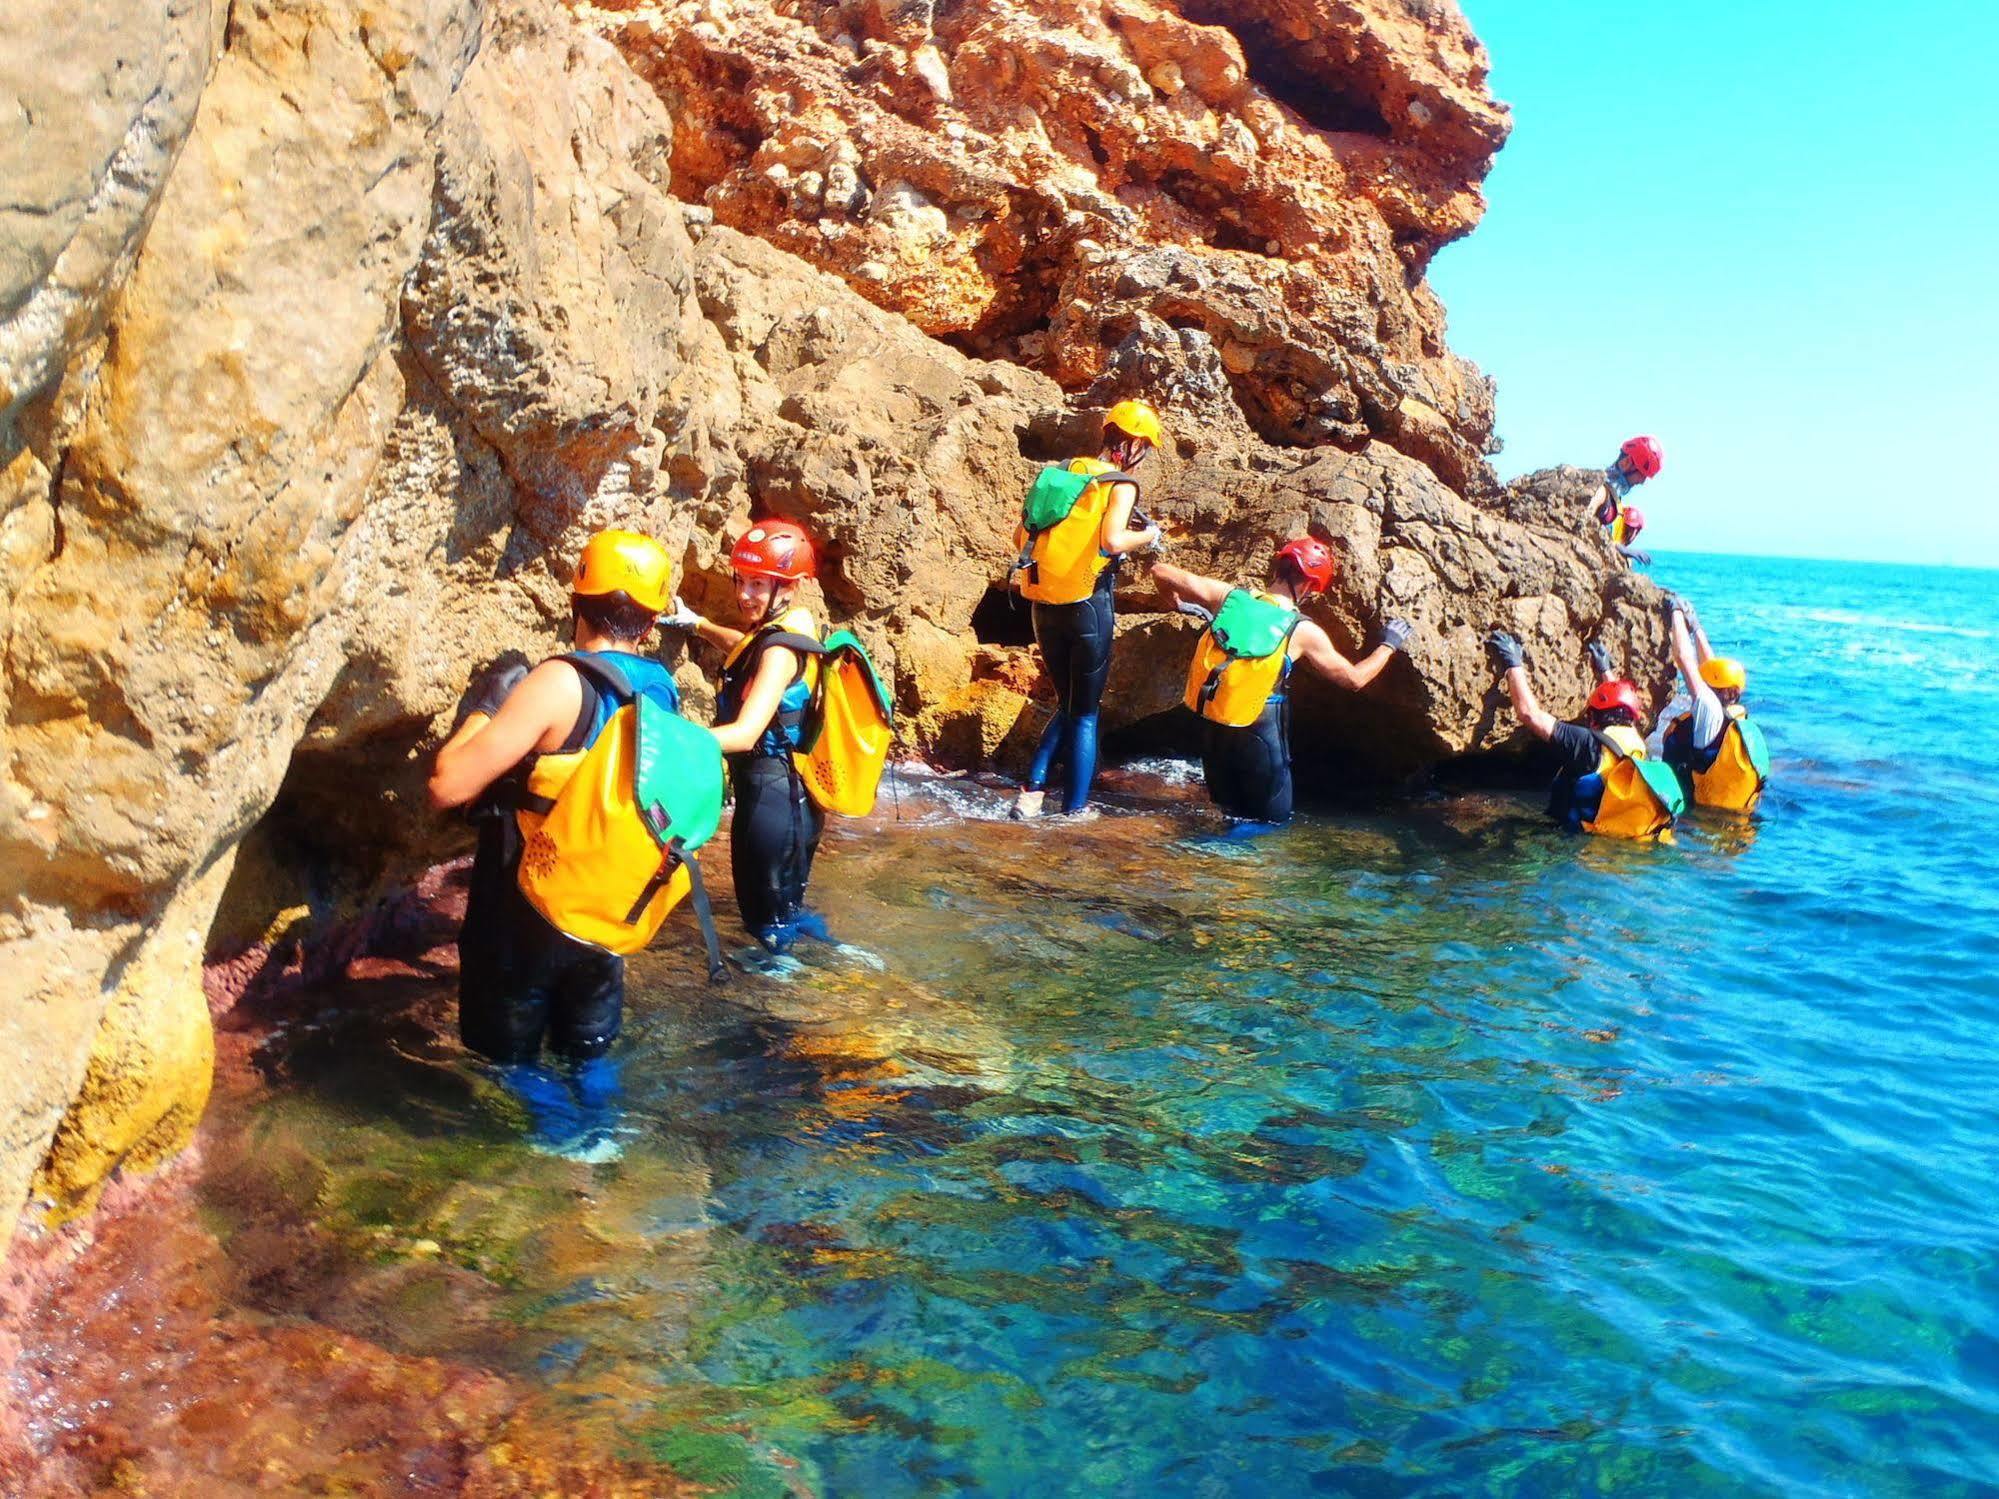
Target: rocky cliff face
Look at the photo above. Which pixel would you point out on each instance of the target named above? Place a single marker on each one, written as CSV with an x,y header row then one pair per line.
x,y
329,328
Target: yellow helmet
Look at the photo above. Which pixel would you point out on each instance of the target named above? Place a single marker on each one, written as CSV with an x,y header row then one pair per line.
x,y
628,563
1136,419
1721,672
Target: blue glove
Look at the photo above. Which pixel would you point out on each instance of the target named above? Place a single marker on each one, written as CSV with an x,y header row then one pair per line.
x,y
1395,635
1600,659
1507,651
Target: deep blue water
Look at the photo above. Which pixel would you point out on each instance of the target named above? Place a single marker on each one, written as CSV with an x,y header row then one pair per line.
x,y
1428,1152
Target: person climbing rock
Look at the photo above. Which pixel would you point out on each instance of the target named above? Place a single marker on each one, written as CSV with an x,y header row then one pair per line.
x,y
769,671
1639,460
1605,782
1071,537
1719,753
520,733
1239,682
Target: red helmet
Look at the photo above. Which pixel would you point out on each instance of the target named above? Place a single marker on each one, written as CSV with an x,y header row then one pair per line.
x,y
1312,557
1614,694
774,549
1634,520
1645,456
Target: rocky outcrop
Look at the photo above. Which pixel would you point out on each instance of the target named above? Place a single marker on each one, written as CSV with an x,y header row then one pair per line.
x,y
995,171
315,385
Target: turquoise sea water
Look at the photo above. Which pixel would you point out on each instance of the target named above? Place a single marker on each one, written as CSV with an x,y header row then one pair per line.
x,y
1424,1152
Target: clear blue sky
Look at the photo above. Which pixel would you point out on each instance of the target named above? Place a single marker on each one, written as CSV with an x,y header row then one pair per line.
x,y
1767,232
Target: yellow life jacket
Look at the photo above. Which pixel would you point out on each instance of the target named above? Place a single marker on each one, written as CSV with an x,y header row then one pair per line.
x,y
1241,657
1062,563
1735,781
1639,797
608,832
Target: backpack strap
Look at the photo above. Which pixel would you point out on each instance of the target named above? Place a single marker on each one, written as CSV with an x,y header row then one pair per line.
x,y
1230,656
677,855
1025,562
602,676
1610,744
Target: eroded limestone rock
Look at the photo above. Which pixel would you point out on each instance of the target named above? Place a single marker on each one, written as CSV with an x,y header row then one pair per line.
x,y
433,289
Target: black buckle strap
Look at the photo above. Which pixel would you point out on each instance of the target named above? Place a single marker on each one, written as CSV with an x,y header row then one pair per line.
x,y
676,856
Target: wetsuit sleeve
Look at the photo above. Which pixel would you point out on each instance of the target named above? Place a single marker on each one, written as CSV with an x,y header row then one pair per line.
x,y
1577,747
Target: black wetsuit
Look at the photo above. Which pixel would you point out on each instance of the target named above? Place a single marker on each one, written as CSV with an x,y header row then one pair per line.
x,y
1248,768
774,834
1581,755
519,979
1075,642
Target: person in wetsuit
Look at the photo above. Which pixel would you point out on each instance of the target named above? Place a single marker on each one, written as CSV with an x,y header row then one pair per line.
x,y
521,981
1240,681
769,672
1638,461
1612,727
1719,756
1074,613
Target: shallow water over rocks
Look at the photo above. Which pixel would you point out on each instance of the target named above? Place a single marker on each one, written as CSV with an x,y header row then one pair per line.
x,y
1429,1152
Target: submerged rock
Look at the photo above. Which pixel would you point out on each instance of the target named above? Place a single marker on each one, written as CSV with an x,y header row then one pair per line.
x,y
346,327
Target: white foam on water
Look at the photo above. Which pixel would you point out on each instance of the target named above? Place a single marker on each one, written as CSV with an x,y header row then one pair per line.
x,y
1880,622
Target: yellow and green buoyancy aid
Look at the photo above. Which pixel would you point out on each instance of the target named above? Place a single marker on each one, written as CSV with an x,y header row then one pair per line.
x,y
1242,658
1734,780
608,830
1628,795
1060,536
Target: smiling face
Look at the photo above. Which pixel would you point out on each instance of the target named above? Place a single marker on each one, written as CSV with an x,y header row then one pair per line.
x,y
757,598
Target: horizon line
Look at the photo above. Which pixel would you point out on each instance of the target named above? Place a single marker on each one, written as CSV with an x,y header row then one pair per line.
x,y
1962,567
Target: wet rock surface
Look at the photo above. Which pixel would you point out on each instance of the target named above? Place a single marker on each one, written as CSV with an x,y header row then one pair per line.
x,y
385,308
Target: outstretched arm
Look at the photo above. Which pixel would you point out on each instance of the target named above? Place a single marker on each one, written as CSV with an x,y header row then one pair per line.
x,y
1512,661
1178,586
1314,647
699,626
1118,537
1684,656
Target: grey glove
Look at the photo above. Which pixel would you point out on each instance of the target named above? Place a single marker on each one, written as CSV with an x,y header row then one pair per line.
x,y
681,618
1395,634
1600,659
1684,605
492,686
1187,606
1507,651
1632,554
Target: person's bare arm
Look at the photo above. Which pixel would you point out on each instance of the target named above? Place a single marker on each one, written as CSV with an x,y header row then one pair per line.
x,y
775,672
1311,645
536,714
1117,536
1178,586
1684,656
1511,658
1530,711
